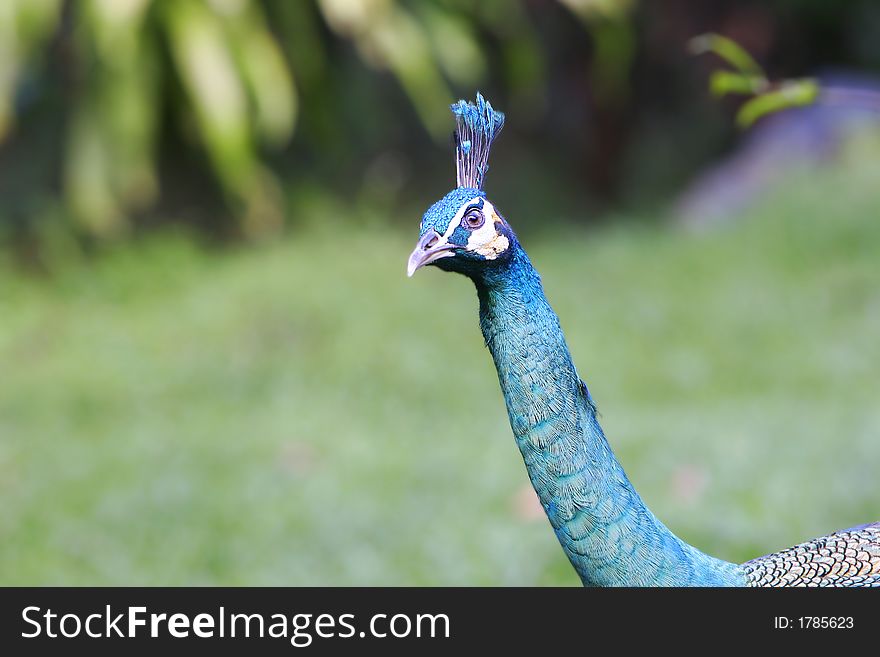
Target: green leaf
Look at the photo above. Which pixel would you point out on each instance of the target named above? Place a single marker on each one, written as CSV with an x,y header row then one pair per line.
x,y
722,83
390,37
25,26
797,93
263,70
454,45
88,173
205,65
729,50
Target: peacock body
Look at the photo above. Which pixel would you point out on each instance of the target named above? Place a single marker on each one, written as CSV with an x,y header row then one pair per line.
x,y
608,533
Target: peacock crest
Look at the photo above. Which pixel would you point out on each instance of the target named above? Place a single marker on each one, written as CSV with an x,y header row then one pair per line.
x,y
476,127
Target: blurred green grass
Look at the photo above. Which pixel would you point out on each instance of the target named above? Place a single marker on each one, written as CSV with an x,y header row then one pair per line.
x,y
304,414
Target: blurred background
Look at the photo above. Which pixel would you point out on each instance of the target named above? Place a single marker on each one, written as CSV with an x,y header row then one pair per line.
x,y
213,369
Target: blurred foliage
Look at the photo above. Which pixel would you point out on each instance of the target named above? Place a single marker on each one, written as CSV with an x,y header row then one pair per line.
x,y
237,116
213,65
749,79
227,75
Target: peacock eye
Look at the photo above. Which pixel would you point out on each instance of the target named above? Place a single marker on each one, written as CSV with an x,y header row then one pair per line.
x,y
474,219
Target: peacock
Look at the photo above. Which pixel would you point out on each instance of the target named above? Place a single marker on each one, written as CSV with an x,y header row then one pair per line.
x,y
607,532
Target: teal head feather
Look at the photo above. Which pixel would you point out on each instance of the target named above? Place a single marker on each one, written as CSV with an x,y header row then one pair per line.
x,y
463,230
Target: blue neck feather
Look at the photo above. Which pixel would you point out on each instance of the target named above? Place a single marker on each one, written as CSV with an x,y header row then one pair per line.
x,y
607,532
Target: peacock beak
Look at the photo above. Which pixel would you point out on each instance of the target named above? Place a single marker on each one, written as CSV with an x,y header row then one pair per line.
x,y
431,247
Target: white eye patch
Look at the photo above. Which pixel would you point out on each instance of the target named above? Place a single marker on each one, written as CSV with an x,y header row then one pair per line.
x,y
485,240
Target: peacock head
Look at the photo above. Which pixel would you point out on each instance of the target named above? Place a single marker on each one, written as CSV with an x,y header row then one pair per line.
x,y
463,231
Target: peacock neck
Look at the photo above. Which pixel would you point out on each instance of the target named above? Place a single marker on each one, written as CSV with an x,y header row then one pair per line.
x,y
607,532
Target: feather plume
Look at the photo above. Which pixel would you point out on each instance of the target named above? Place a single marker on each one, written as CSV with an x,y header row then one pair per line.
x,y
476,127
